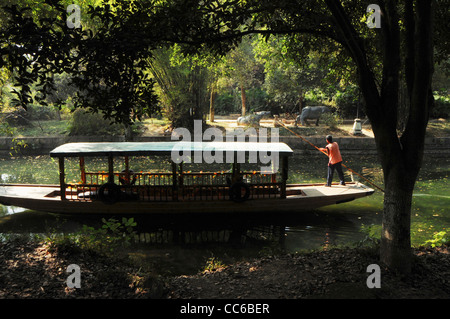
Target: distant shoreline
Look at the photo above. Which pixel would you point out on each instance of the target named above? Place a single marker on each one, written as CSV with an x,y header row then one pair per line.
x,y
350,145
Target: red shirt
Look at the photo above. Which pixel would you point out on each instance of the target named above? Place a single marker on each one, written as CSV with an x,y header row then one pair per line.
x,y
333,153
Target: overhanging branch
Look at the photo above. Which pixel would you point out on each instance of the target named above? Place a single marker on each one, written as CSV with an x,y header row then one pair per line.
x,y
240,34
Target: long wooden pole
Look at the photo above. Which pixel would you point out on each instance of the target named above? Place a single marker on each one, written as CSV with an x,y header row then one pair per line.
x,y
298,135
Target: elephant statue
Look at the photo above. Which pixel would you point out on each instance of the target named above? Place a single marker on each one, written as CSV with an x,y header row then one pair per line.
x,y
311,113
253,119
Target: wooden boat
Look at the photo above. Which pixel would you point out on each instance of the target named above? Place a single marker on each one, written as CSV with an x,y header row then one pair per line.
x,y
135,191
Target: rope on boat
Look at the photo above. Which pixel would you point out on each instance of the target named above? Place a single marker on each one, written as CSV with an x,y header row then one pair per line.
x,y
298,135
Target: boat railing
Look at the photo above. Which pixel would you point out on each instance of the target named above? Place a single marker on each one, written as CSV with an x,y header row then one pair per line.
x,y
185,186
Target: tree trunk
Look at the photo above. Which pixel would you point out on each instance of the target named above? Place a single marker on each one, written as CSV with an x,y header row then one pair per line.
x,y
401,157
212,99
395,249
244,100
300,102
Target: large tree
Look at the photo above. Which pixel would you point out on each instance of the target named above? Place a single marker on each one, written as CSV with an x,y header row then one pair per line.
x,y
400,155
242,67
109,64
403,45
183,86
288,77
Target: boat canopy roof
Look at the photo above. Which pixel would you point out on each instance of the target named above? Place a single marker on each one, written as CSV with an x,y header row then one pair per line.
x,y
164,148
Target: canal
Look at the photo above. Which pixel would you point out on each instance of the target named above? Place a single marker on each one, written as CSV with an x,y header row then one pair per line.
x,y
177,239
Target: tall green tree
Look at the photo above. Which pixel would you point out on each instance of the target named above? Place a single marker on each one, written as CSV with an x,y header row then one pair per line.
x,y
287,80
183,86
405,41
242,68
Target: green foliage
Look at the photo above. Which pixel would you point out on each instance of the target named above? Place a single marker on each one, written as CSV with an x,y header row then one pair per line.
x,y
332,120
105,68
347,101
244,71
84,123
111,236
8,130
316,97
213,264
226,103
257,99
289,76
439,239
371,231
182,86
41,112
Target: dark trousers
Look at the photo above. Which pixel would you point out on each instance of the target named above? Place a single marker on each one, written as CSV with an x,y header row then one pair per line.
x,y
331,169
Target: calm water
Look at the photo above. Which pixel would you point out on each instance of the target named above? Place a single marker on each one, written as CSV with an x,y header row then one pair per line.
x,y
333,225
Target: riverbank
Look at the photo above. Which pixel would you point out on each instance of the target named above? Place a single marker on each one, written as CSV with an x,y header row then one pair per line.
x,y
437,140
349,145
31,270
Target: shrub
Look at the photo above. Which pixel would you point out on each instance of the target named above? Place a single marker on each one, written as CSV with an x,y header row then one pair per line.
x,y
331,120
213,264
41,112
112,235
84,123
439,239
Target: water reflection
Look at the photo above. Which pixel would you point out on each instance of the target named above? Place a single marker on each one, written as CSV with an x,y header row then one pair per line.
x,y
288,232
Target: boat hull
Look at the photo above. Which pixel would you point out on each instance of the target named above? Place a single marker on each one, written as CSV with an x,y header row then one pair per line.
x,y
303,197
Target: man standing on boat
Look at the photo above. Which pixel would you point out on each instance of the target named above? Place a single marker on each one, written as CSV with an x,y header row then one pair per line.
x,y
335,160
